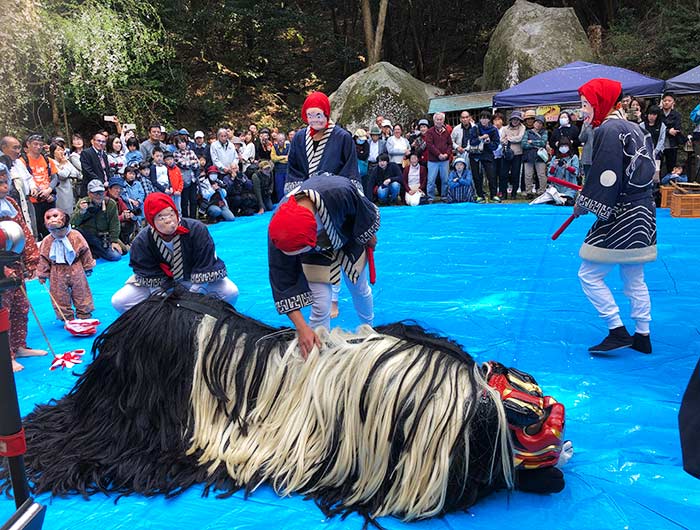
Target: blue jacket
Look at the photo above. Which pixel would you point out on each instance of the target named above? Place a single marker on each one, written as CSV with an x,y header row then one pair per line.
x,y
490,146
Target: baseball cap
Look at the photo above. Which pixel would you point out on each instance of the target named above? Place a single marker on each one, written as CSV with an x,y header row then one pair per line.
x,y
95,186
198,134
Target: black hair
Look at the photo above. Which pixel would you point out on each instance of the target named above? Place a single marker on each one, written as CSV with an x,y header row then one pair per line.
x,y
154,126
383,158
132,142
485,114
144,165
157,149
52,148
654,109
669,95
110,142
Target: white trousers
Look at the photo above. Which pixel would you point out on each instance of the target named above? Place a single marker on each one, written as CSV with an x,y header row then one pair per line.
x,y
592,276
131,294
362,299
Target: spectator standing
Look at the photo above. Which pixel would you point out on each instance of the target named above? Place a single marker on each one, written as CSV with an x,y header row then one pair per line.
x,y
486,139
188,163
439,146
280,158
200,146
511,138
460,134
94,163
21,182
398,147
247,154
535,156
155,132
565,128
175,181
67,177
117,160
674,136
656,128
263,186
376,146
263,145
133,154
45,178
586,139
76,148
362,151
223,153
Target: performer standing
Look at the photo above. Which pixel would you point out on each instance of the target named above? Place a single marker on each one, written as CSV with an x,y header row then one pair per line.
x,y
322,147
322,228
618,190
175,249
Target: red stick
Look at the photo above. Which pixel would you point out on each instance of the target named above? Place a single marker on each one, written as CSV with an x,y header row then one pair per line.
x,y
563,227
564,183
370,263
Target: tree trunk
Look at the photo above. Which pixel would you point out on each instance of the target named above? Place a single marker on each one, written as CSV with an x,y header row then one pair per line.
x,y
373,38
55,115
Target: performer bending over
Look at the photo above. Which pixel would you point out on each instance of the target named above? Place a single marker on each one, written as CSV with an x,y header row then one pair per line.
x,y
181,250
618,190
324,226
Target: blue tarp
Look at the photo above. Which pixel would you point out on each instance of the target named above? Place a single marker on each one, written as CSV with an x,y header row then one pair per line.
x,y
685,83
490,277
561,85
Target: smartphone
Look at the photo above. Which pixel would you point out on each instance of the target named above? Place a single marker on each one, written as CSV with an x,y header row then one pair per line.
x,y
129,126
110,118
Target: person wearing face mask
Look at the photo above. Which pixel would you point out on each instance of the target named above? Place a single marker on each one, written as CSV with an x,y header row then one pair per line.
x,y
618,191
321,147
173,250
213,197
564,165
565,128
362,152
65,261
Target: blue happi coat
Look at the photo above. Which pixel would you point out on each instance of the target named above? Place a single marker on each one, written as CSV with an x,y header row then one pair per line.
x,y
346,221
618,190
335,154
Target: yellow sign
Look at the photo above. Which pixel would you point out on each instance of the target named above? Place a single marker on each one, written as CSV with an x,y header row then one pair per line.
x,y
550,112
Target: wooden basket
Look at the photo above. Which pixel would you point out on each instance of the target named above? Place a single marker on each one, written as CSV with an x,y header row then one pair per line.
x,y
666,192
685,205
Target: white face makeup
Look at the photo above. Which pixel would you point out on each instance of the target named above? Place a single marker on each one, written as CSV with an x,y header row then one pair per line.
x,y
316,119
587,111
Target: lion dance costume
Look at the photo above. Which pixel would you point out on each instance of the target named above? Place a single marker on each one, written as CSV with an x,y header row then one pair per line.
x,y
393,421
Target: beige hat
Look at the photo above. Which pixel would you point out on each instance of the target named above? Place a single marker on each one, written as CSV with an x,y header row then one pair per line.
x,y
266,163
529,114
386,123
361,134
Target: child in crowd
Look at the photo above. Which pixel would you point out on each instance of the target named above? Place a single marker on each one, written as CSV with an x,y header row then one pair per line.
x,y
564,166
144,177
460,184
65,260
676,175
133,154
133,194
175,182
159,171
213,197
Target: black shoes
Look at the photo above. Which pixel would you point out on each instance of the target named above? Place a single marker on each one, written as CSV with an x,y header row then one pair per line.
x,y
617,339
641,343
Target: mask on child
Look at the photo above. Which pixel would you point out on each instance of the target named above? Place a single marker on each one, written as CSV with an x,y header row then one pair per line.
x,y
563,121
564,149
213,177
360,141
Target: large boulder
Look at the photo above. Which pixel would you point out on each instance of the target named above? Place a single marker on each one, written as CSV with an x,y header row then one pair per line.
x,y
382,89
531,39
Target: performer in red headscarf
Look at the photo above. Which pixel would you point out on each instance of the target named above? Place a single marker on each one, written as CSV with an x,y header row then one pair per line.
x,y
322,229
322,147
172,249
618,190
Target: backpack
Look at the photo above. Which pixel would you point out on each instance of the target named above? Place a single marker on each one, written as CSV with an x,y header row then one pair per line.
x,y
25,159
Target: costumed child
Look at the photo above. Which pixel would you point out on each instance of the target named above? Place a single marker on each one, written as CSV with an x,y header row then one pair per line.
x,y
618,190
66,261
172,250
460,185
15,300
324,227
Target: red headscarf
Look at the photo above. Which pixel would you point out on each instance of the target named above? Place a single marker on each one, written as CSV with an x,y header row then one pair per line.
x,y
293,227
156,203
316,100
602,94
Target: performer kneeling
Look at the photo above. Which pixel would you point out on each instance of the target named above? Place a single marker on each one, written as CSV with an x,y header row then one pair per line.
x,y
325,225
175,249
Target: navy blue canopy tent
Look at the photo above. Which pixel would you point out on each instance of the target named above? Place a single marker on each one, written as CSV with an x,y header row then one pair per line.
x,y
561,85
685,83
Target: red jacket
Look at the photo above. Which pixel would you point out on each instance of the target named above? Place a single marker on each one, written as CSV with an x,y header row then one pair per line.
x,y
176,181
423,179
438,143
